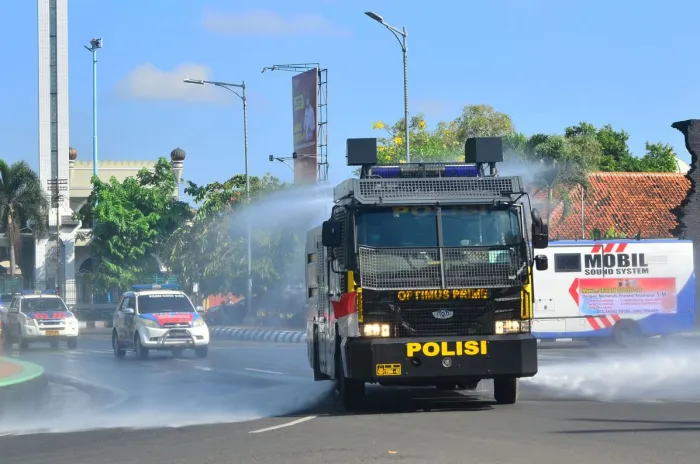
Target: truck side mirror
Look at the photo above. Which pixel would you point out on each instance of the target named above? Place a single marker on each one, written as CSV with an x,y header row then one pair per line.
x,y
540,236
541,263
331,234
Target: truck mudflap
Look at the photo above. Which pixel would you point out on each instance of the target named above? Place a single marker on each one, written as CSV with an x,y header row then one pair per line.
x,y
416,360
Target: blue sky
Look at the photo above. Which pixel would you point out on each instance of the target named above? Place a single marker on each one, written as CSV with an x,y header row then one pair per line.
x,y
547,63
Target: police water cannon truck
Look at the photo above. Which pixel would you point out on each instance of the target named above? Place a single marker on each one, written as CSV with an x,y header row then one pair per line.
x,y
422,276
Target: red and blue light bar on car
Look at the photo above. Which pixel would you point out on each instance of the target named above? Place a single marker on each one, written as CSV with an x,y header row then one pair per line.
x,y
37,292
138,287
424,170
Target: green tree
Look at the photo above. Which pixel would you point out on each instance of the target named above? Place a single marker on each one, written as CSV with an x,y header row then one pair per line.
x,y
134,220
23,204
446,142
563,161
659,157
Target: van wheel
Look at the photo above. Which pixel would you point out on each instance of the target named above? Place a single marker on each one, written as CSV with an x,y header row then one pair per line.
x,y
141,351
627,334
72,343
351,391
505,390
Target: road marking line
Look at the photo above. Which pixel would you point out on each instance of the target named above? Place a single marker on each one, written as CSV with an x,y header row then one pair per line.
x,y
202,368
281,426
263,371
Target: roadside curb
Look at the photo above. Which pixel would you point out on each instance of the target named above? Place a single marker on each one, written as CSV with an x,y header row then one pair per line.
x,y
262,335
25,391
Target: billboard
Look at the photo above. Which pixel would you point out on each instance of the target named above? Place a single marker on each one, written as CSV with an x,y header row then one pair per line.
x,y
305,120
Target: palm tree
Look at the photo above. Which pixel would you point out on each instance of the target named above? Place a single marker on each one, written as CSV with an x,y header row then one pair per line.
x,y
22,204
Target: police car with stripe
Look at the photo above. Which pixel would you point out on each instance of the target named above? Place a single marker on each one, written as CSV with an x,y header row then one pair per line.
x,y
39,316
158,317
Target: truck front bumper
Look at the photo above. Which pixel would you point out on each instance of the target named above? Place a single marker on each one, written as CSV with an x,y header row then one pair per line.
x,y
418,361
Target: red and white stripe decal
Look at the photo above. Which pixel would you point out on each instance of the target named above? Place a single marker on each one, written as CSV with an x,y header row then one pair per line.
x,y
602,322
609,247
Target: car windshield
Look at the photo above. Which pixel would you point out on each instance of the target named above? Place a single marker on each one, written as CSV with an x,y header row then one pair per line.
x,y
159,303
43,304
416,226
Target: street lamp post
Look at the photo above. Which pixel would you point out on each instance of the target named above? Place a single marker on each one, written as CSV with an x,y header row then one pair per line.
x,y
402,41
244,98
94,45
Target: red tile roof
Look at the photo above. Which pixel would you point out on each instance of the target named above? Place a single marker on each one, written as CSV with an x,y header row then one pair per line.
x,y
630,202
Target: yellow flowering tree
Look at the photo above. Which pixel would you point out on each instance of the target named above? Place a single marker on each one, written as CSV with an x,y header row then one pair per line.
x,y
446,142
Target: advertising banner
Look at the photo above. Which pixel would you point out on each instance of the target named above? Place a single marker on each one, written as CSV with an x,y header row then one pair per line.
x,y
305,120
627,296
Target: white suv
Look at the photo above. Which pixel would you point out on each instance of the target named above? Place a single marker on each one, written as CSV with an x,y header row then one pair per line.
x,y
158,317
39,316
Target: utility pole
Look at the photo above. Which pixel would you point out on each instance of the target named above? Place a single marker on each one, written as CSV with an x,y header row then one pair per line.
x,y
95,44
402,41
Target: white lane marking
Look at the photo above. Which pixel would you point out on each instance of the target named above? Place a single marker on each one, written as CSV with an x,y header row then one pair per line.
x,y
281,426
263,371
202,368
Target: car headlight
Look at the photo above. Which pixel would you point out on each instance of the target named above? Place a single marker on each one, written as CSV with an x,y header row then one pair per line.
x,y
198,322
71,320
32,322
376,330
506,327
150,323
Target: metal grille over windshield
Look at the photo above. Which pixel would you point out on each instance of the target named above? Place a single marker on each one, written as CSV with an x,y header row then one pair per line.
x,y
422,268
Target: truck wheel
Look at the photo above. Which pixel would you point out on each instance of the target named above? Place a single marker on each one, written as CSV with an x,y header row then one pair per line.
x,y
318,375
72,343
505,390
201,351
119,352
351,391
141,351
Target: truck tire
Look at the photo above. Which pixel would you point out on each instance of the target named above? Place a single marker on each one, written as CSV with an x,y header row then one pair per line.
x,y
350,391
505,390
318,375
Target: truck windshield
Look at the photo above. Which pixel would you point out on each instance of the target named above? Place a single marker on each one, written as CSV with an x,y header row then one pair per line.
x,y
159,303
416,226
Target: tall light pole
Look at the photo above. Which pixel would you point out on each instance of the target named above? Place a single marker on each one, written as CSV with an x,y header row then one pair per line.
x,y
244,98
401,37
94,45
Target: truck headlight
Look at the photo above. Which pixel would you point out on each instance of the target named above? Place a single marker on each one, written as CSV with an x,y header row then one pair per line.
x,y
376,330
506,327
198,322
150,323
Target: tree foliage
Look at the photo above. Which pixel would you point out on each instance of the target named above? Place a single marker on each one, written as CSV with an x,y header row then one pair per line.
x,y
23,204
133,220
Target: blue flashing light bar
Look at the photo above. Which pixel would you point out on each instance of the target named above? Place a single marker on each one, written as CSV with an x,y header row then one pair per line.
x,y
427,170
37,292
138,287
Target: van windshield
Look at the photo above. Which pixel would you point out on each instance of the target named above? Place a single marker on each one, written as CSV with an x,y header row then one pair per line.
x,y
158,303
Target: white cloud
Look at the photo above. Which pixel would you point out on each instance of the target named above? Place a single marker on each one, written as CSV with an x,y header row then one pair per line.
x,y
265,22
146,82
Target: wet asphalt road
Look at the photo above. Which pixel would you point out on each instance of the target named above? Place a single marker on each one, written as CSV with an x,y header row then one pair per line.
x,y
585,405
